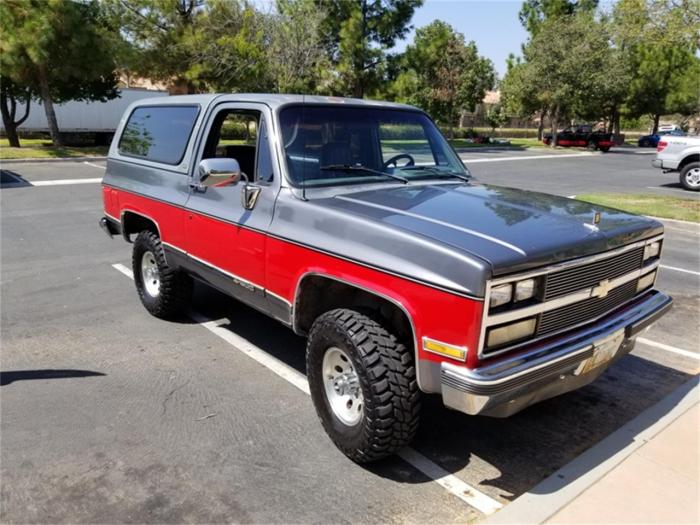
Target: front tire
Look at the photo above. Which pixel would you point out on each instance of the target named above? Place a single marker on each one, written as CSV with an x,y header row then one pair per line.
x,y
690,176
363,385
164,291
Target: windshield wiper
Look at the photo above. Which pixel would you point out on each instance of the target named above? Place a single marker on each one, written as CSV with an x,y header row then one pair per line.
x,y
439,173
359,167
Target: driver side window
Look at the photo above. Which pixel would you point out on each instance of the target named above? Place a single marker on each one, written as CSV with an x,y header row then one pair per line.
x,y
239,134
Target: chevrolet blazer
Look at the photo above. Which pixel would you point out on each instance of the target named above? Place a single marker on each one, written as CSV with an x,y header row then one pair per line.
x,y
355,224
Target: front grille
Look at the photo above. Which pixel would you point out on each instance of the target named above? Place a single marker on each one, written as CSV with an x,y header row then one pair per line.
x,y
588,309
565,282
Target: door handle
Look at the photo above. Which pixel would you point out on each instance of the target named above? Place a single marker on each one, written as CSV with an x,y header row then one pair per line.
x,y
198,187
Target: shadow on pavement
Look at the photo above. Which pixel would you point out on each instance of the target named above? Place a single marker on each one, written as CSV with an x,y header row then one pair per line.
x,y
511,455
10,179
26,375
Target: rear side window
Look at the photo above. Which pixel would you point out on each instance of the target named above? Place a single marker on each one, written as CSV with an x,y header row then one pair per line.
x,y
158,133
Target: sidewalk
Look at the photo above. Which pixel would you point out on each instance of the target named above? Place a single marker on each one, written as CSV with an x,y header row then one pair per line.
x,y
648,471
658,483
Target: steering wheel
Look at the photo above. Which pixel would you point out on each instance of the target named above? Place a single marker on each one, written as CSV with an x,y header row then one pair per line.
x,y
396,158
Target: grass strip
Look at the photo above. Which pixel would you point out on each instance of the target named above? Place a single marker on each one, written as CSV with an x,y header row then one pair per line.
x,y
667,207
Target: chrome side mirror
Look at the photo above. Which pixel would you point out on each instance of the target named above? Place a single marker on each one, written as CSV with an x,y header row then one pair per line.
x,y
217,172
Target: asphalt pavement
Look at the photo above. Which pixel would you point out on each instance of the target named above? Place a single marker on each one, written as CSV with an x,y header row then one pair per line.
x,y
110,415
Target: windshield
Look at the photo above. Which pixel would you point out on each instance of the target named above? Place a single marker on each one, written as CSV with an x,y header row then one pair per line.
x,y
331,145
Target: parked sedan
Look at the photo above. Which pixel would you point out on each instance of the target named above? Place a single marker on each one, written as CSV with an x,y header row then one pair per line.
x,y
651,141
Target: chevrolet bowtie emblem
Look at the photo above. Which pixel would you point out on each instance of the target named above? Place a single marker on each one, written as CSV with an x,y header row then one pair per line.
x,y
602,289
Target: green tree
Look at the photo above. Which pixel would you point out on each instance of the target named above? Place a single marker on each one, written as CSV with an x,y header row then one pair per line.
x,y
226,49
296,56
496,116
534,12
358,35
58,51
155,32
563,64
658,39
520,92
445,74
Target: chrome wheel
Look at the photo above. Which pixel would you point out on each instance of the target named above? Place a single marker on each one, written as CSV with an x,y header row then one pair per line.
x,y
150,274
692,177
342,386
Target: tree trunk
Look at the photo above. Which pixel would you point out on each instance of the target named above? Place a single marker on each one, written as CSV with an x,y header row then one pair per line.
x,y
555,128
540,126
48,106
657,117
8,108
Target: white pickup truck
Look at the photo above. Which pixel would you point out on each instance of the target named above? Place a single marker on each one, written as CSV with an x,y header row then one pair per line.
x,y
680,154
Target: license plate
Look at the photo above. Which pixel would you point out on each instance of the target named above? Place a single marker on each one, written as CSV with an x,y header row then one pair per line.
x,y
603,351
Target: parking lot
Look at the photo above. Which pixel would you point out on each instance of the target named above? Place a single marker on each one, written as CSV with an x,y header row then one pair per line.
x,y
110,415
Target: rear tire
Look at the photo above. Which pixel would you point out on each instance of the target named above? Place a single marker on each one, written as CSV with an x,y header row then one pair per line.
x,y
363,385
690,176
592,145
605,149
164,291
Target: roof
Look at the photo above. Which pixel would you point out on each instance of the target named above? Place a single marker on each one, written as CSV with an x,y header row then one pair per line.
x,y
273,100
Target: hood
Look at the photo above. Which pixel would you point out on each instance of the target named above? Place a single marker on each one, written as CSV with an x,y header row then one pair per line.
x,y
512,229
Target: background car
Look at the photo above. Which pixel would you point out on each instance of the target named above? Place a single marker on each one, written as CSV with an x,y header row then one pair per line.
x,y
651,141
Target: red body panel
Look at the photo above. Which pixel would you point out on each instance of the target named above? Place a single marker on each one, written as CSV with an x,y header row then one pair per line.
x,y
278,266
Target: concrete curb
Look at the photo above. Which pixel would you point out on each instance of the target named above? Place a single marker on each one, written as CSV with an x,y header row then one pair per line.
x,y
57,159
558,490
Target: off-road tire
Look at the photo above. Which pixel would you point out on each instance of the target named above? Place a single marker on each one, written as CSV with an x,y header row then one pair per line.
x,y
685,172
175,290
387,378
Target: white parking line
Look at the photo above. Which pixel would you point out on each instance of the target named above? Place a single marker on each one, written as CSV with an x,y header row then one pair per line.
x,y
669,348
528,157
94,165
676,269
64,182
449,482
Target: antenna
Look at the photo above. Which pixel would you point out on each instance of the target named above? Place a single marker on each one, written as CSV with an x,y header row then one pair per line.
x,y
305,138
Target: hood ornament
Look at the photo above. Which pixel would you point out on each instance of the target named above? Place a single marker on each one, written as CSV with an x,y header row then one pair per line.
x,y
596,218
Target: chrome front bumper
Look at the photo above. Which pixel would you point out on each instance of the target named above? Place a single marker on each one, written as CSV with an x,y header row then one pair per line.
x,y
510,384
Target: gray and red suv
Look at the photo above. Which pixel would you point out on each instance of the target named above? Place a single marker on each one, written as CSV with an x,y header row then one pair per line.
x,y
356,224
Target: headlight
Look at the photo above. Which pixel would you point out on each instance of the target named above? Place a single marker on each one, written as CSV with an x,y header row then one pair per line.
x,y
652,250
525,289
645,281
511,332
501,295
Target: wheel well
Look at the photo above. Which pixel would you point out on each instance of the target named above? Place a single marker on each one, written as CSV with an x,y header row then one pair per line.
x,y
695,157
135,223
318,294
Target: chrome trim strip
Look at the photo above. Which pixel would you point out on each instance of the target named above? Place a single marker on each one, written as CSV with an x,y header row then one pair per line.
x,y
517,365
378,268
550,269
566,300
112,217
278,297
125,210
576,262
368,290
477,379
173,247
435,221
245,283
304,245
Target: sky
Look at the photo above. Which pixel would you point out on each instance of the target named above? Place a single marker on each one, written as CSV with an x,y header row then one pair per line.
x,y
493,25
